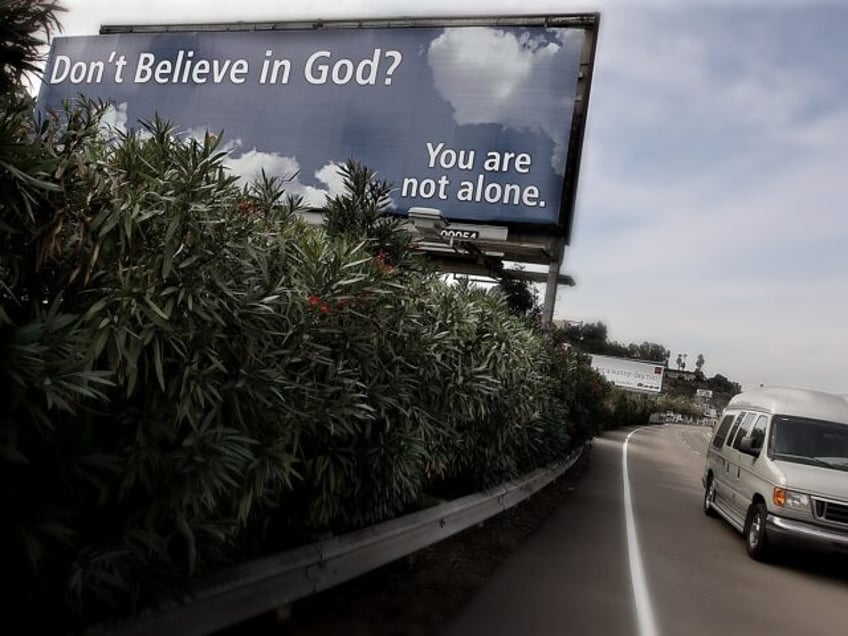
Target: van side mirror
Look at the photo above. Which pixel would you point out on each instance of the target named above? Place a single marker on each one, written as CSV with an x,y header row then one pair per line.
x,y
750,446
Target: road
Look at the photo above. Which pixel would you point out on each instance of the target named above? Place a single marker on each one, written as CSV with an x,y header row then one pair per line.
x,y
580,573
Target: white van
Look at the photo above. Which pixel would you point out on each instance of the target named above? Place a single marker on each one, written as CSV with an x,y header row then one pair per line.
x,y
777,469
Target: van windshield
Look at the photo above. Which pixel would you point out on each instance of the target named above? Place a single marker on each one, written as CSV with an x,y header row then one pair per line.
x,y
806,441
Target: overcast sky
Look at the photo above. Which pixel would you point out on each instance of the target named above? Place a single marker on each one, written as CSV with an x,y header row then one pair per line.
x,y
712,211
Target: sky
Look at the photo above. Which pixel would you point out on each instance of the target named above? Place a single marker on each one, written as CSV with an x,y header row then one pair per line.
x,y
711,206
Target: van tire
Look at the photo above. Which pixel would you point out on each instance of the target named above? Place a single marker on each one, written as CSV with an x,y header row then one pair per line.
x,y
709,497
756,539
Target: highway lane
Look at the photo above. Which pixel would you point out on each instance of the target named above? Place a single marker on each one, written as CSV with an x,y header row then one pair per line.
x,y
574,575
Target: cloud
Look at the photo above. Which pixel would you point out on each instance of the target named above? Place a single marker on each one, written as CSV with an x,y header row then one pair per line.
x,y
330,175
248,166
725,84
114,123
114,119
488,75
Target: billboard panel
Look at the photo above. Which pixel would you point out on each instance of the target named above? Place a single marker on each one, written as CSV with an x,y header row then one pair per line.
x,y
630,374
477,121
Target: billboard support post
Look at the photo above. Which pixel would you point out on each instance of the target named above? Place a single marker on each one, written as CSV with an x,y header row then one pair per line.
x,y
551,287
552,282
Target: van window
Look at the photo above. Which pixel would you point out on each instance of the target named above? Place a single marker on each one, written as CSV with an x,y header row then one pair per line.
x,y
807,441
744,428
735,428
721,433
758,433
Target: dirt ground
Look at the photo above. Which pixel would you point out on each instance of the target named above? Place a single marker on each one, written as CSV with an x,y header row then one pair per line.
x,y
417,595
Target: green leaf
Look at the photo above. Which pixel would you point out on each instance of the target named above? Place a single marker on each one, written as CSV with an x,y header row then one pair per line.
x,y
157,364
156,308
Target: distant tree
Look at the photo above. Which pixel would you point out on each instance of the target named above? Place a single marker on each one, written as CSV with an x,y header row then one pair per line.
x,y
521,296
596,332
618,349
590,337
653,352
649,351
720,384
699,366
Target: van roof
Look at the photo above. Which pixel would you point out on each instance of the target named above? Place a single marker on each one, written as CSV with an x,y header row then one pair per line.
x,y
816,405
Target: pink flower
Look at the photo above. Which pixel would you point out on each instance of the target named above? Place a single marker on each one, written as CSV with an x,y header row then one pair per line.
x,y
383,263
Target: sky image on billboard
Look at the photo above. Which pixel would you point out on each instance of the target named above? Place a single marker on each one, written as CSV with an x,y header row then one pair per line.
x,y
474,121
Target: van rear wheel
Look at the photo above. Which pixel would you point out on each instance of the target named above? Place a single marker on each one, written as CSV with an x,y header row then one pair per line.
x,y
756,540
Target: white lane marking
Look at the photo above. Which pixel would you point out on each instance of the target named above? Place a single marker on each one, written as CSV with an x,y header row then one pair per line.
x,y
644,609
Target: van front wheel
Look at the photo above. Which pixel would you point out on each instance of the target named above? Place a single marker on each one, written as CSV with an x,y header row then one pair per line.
x,y
756,541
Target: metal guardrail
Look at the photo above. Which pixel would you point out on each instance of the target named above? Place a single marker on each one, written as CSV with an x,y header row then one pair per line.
x,y
265,584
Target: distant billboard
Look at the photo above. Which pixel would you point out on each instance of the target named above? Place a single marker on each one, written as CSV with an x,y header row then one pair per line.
x,y
630,374
480,118
703,393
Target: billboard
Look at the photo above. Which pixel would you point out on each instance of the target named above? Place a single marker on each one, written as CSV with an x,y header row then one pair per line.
x,y
481,119
630,374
